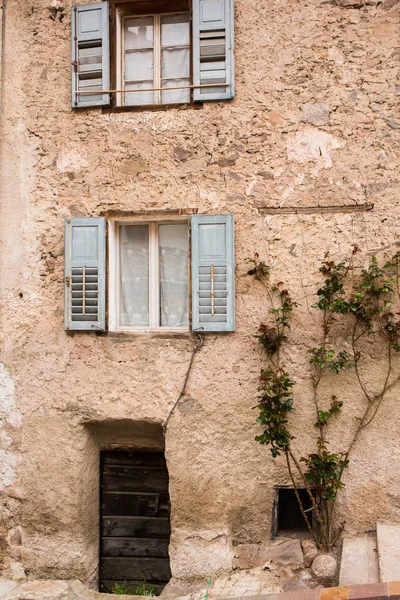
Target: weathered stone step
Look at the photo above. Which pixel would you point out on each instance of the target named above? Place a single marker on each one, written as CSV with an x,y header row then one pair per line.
x,y
6,585
359,561
388,539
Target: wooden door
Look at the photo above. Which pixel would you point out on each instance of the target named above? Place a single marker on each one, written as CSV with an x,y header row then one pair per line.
x,y
135,524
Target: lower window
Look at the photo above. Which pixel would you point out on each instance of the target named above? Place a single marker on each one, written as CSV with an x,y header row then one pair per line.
x,y
149,276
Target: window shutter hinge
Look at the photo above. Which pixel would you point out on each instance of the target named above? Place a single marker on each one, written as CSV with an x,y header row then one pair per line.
x,y
68,280
75,65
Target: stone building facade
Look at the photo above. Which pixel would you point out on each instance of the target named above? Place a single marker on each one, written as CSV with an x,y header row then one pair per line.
x,y
314,123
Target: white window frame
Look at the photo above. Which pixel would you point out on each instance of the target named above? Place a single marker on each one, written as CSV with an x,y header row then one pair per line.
x,y
154,287
120,55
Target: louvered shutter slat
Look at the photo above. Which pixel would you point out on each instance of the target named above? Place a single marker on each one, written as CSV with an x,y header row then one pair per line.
x,y
90,54
213,281
213,57
85,263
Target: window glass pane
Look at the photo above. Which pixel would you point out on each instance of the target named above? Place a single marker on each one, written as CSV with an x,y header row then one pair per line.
x,y
175,63
175,96
139,66
134,275
138,33
173,253
139,98
175,30
139,60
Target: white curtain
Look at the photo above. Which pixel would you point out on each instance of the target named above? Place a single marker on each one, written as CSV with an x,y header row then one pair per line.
x,y
139,59
175,57
134,275
173,261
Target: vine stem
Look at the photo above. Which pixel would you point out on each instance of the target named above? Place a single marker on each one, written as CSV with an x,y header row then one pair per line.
x,y
330,509
378,398
307,486
354,338
306,519
317,378
278,331
327,523
196,348
394,382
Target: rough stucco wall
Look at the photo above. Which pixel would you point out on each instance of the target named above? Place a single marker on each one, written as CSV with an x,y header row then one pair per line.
x,y
226,157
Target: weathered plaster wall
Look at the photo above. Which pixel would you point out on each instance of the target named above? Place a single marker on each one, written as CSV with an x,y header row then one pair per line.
x,y
315,122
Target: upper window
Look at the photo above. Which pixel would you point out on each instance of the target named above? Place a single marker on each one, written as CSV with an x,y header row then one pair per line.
x,y
156,57
152,52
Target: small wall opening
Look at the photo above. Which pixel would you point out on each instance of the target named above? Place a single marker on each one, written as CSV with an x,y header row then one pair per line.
x,y
287,517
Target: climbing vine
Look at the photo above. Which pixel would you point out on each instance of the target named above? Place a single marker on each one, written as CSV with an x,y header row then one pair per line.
x,y
357,311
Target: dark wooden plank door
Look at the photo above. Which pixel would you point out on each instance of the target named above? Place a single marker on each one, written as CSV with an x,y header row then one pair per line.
x,y
135,524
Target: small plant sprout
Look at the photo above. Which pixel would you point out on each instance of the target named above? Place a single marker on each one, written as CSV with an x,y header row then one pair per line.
x,y
145,590
207,594
120,588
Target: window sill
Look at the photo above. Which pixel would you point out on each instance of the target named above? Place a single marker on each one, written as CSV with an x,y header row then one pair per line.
x,y
152,108
120,336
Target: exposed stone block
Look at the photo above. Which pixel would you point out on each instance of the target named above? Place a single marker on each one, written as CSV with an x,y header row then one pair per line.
x,y
276,119
310,552
287,552
324,567
312,145
133,167
6,585
359,561
316,114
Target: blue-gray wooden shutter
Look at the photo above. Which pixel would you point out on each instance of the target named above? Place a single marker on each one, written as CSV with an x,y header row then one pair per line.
x,y
85,273
213,43
90,54
213,273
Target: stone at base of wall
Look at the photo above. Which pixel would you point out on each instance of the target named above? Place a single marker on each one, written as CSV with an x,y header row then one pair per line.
x,y
75,590
281,552
373,591
6,585
57,590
